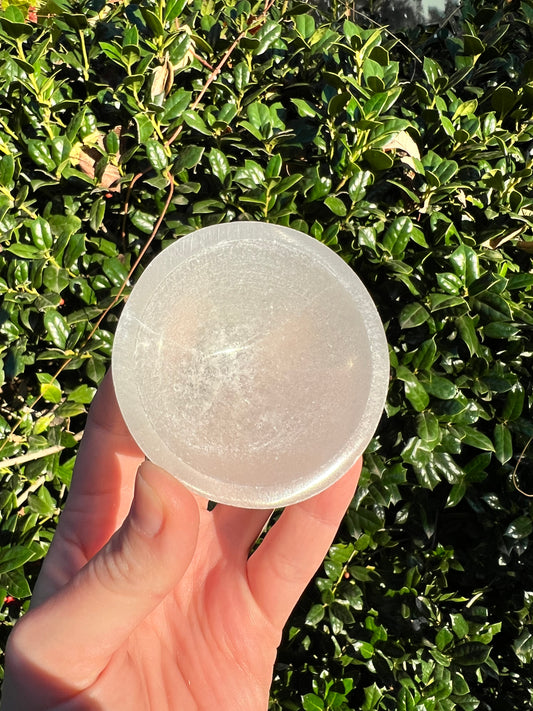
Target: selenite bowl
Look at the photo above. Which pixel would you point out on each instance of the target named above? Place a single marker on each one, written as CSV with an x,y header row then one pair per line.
x,y
250,362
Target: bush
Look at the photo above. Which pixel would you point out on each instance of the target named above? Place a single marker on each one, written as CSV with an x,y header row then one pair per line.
x,y
123,127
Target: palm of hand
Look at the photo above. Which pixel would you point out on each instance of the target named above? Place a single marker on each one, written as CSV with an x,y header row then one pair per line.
x,y
128,618
207,643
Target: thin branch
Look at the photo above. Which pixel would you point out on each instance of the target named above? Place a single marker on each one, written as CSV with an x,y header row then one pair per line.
x,y
515,481
259,20
36,454
136,263
111,305
216,71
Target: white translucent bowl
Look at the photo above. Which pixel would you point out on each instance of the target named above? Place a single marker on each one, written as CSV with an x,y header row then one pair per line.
x,y
250,362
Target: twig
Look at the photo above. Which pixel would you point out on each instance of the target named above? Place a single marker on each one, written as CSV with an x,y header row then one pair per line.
x,y
149,241
515,481
111,305
449,17
202,61
259,20
216,71
36,454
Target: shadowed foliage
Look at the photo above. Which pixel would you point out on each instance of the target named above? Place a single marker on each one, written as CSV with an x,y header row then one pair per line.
x,y
409,155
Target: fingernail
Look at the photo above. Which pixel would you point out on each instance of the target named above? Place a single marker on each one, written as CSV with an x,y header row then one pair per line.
x,y
147,508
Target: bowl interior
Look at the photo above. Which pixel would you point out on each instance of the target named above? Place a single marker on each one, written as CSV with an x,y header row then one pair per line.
x,y
250,363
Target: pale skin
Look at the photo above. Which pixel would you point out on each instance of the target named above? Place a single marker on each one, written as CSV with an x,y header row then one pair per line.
x,y
147,601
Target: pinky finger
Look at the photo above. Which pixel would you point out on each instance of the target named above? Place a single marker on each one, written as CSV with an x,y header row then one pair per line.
x,y
282,566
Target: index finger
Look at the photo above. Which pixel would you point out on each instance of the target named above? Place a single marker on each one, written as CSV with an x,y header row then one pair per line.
x,y
100,494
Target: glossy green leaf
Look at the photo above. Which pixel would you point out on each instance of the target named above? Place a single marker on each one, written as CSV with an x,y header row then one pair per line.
x,y
381,102
51,392
373,696
427,427
196,122
55,279
77,21
315,615
26,251
357,186
64,226
449,283
7,169
39,151
441,387
16,30
115,271
251,175
267,36
188,157
82,394
414,390
312,702
304,108
42,503
152,21
274,166
467,329
523,647
466,108
76,247
472,45
477,439
501,330
145,127
492,306
241,75
336,205
337,103
176,104
432,70
503,100
413,315
437,302
305,24
398,235
459,625
514,403
456,494
520,528
379,160
41,234
425,355
465,263
143,221
13,557
15,583
219,164
259,116
405,700
503,443
56,327
156,154
471,654
173,9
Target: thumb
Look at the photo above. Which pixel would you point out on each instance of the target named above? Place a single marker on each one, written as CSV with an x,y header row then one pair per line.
x,y
100,607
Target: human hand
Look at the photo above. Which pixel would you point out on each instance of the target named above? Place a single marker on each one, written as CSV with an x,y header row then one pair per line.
x,y
147,601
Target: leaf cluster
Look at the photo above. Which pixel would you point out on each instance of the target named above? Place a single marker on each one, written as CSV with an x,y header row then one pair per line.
x,y
125,126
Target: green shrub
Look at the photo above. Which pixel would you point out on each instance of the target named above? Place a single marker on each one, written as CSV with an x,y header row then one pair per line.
x,y
124,126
